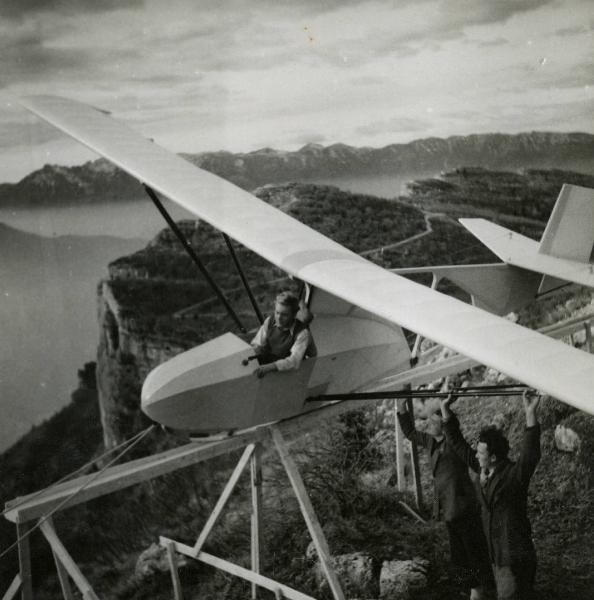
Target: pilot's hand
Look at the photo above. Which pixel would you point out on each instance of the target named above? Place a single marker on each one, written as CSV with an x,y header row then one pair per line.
x,y
263,369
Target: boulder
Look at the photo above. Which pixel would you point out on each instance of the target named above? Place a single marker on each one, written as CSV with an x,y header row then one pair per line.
x,y
355,573
154,560
400,578
566,439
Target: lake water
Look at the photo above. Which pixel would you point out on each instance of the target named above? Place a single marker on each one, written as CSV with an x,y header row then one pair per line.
x,y
48,320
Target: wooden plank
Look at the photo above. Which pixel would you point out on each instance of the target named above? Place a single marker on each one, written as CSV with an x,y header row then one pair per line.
x,y
24,550
71,567
256,488
233,569
177,589
62,573
426,373
122,476
13,589
412,512
223,498
414,453
313,525
399,440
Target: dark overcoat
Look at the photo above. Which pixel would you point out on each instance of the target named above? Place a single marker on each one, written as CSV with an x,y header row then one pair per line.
x,y
454,495
503,497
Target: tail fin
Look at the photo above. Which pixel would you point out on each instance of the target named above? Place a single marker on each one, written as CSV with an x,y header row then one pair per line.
x,y
570,231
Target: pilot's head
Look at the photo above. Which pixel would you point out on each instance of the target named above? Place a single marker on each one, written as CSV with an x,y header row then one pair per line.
x,y
286,307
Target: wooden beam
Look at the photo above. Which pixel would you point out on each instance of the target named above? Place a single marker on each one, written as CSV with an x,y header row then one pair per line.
x,y
125,475
414,453
177,590
423,374
223,498
256,488
412,512
399,440
71,567
24,550
233,569
313,525
13,589
62,573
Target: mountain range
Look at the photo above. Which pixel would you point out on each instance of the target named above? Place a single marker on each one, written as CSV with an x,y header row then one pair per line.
x,y
98,181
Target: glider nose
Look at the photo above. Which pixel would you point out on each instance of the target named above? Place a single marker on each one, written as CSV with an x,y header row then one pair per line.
x,y
183,390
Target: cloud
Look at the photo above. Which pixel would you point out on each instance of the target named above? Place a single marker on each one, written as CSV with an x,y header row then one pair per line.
x,y
19,9
571,31
493,43
307,138
15,133
394,125
26,57
486,12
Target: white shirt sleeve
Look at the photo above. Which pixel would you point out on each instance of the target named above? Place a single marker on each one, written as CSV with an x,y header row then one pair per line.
x,y
293,361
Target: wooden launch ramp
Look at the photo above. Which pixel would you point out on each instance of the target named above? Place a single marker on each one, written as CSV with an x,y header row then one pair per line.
x,y
34,511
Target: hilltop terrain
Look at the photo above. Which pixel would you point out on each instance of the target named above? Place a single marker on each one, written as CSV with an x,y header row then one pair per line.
x,y
152,306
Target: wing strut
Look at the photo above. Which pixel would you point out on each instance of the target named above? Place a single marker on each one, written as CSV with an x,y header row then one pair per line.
x,y
192,254
246,285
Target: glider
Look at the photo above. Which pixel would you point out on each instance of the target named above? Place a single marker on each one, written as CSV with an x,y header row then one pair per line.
x,y
360,307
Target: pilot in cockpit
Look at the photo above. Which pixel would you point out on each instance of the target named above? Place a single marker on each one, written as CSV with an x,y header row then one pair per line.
x,y
284,339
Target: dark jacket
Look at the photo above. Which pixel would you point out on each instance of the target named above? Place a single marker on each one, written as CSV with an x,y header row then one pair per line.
x,y
453,495
504,496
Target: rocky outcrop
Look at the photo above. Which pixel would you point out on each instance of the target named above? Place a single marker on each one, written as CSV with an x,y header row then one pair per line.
x,y
125,357
400,579
154,560
354,571
566,439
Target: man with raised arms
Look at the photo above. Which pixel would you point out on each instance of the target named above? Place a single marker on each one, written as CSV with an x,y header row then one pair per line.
x,y
454,502
283,340
502,489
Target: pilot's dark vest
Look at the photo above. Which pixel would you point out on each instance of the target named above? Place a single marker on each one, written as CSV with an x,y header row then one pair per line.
x,y
280,341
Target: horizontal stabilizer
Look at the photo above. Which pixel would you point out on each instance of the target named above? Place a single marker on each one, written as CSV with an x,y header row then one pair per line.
x,y
497,287
520,251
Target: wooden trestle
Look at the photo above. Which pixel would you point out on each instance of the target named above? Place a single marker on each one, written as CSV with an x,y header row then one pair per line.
x,y
31,511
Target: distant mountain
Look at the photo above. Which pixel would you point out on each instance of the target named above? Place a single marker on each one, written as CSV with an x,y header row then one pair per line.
x,y
95,181
99,181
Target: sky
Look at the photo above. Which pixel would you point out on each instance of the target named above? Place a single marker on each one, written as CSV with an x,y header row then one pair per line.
x,y
237,75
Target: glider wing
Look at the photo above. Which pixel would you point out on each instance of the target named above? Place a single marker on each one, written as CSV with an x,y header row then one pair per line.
x,y
548,365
